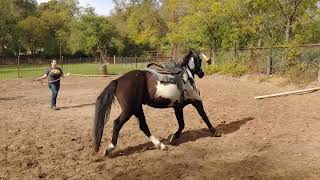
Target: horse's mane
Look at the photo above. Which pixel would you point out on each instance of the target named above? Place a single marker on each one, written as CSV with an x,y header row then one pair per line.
x,y
186,59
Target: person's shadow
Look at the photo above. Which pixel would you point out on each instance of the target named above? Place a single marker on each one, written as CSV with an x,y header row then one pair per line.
x,y
186,136
77,106
10,98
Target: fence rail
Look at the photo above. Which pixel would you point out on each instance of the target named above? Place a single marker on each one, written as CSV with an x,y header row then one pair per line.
x,y
282,60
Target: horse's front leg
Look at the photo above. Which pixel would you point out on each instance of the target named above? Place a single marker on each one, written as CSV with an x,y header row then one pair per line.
x,y
199,106
179,115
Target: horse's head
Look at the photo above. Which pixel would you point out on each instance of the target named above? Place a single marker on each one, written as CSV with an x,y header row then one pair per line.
x,y
193,61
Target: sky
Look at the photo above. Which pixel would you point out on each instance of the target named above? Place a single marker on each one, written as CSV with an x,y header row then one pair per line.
x,y
102,7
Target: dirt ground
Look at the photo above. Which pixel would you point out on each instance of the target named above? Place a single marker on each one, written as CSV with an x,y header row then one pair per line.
x,y
275,138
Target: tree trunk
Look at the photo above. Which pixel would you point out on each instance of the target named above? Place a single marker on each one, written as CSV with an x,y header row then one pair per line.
x,y
288,30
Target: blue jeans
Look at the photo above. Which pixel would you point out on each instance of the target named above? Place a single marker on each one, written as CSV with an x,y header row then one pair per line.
x,y
54,89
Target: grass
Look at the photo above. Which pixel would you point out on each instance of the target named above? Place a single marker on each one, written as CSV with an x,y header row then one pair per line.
x,y
302,74
31,71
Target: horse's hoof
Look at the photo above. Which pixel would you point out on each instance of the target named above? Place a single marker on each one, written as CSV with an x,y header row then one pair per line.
x,y
214,132
162,146
108,153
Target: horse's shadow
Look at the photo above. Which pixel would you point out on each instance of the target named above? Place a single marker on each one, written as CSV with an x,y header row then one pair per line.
x,y
186,136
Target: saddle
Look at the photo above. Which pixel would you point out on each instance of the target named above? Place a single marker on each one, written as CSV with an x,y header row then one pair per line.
x,y
170,68
167,73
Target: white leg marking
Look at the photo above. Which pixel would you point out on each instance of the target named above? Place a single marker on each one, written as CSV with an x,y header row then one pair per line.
x,y
157,143
111,146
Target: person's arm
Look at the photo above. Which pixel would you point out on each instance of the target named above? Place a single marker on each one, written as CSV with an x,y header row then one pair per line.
x,y
61,72
42,77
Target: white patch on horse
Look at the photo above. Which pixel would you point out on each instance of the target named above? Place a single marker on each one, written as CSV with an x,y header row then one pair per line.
x,y
191,63
191,92
185,76
189,73
169,91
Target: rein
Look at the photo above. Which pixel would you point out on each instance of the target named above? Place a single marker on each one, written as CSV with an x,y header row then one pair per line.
x,y
50,81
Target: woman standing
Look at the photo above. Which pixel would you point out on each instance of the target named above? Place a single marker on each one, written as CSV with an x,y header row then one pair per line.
x,y
54,74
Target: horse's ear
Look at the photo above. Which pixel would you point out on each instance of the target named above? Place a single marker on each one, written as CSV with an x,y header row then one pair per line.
x,y
209,62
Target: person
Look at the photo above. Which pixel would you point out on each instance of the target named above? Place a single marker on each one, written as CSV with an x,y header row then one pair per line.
x,y
53,73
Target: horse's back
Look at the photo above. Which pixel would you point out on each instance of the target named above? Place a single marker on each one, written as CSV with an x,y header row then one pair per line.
x,y
131,87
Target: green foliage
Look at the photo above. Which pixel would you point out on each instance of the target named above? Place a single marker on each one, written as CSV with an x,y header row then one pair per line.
x,y
301,73
231,68
8,18
297,70
92,34
136,26
33,33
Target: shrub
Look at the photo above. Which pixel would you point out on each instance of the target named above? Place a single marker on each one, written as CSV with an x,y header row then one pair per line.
x,y
233,68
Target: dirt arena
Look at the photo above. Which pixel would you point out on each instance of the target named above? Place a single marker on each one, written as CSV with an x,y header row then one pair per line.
x,y
262,139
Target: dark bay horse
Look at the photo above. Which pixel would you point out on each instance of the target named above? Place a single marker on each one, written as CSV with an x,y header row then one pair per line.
x,y
140,87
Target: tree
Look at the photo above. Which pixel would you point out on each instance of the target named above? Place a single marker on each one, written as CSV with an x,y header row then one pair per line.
x,y
91,34
291,10
145,26
33,33
8,20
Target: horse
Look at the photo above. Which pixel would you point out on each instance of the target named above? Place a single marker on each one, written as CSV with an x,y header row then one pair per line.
x,y
140,87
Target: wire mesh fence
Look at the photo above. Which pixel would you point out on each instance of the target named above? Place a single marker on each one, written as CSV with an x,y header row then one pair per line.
x,y
293,62
299,63
27,67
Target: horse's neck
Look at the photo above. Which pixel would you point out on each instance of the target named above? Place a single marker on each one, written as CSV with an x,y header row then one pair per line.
x,y
188,76
188,71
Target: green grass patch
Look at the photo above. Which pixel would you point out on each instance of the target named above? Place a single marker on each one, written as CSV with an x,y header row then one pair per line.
x,y
30,71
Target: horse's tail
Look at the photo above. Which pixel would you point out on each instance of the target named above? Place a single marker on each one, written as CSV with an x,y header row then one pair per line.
x,y
102,112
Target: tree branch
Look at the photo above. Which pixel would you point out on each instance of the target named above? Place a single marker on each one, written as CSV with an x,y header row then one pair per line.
x,y
295,9
281,8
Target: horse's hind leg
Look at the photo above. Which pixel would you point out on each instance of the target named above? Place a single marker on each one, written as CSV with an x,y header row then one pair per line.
x,y
145,129
117,125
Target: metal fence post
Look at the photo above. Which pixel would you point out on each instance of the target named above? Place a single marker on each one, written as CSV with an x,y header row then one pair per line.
x,y
319,73
269,63
136,60
19,63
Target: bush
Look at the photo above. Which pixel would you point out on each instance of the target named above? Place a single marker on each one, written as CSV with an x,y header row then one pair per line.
x,y
234,69
301,74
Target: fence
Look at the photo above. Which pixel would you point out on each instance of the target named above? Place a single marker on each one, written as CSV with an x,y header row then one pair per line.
x,y
300,62
293,62
32,67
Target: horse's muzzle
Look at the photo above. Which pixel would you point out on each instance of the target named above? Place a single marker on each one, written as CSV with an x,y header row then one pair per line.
x,y
200,74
